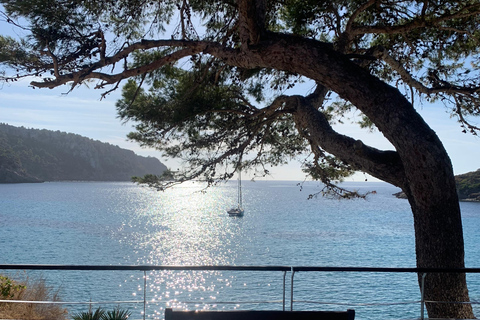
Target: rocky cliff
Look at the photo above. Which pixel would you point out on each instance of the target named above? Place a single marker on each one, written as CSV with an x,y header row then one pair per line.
x,y
32,155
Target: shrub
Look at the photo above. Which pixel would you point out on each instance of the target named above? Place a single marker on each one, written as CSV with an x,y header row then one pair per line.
x,y
100,314
8,287
29,290
89,315
117,314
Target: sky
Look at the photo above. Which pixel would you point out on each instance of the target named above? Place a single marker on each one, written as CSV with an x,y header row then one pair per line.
x,y
83,112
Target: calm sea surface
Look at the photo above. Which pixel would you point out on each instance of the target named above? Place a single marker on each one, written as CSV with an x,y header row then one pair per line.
x,y
124,224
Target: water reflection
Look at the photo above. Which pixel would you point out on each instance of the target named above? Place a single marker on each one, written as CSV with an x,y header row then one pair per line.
x,y
183,226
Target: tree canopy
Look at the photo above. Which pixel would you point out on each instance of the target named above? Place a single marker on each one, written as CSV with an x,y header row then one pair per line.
x,y
215,110
212,81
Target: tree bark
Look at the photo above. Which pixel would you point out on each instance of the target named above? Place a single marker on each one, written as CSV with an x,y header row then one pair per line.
x,y
421,166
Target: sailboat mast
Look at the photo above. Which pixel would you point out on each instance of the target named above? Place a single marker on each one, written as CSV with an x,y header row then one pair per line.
x,y
240,188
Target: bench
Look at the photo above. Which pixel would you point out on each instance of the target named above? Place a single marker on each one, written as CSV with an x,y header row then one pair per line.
x,y
259,315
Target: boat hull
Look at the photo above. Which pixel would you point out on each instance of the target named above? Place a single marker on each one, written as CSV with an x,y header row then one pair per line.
x,y
235,212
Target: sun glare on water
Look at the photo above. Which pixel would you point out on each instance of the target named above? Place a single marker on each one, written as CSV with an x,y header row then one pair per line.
x,y
184,226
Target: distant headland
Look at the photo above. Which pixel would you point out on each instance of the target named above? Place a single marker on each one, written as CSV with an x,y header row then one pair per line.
x,y
468,187
34,155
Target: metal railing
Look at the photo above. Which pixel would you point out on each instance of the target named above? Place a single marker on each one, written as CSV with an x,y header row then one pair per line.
x,y
284,269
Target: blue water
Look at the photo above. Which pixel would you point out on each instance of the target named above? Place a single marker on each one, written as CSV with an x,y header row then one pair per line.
x,y
124,224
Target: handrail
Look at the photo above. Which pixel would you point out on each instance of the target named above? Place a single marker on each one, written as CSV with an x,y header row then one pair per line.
x,y
138,267
232,268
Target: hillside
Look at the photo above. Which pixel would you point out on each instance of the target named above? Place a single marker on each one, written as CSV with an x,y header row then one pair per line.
x,y
468,187
33,155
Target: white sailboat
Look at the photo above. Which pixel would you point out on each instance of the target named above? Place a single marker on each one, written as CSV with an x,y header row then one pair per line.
x,y
238,211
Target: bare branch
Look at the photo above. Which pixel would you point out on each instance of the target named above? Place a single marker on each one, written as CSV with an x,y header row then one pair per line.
x,y
5,17
421,22
459,112
55,61
356,13
446,87
190,48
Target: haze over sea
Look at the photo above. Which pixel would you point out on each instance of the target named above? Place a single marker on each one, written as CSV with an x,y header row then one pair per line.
x,y
86,223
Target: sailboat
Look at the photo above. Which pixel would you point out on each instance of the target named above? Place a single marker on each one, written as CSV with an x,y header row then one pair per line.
x,y
238,211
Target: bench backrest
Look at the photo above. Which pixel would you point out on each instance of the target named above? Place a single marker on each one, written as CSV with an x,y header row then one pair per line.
x,y
259,315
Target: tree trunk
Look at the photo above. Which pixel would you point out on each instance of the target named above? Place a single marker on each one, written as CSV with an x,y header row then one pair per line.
x,y
425,172
431,191
421,166
429,183
427,178
439,240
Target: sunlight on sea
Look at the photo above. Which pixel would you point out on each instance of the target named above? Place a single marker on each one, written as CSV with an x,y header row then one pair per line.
x,y
185,227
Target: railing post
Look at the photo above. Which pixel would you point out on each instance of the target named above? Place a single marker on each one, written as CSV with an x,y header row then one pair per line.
x,y
422,290
291,290
144,294
284,291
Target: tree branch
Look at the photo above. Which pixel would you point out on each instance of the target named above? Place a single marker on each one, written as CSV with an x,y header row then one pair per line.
x,y
381,53
87,72
55,61
356,13
251,21
423,21
385,165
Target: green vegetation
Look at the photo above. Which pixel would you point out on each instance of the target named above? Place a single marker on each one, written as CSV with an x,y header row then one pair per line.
x,y
90,315
153,180
8,288
37,290
28,290
101,314
32,155
468,185
117,314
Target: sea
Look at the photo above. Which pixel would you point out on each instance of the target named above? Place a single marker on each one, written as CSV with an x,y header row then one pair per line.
x,y
123,224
